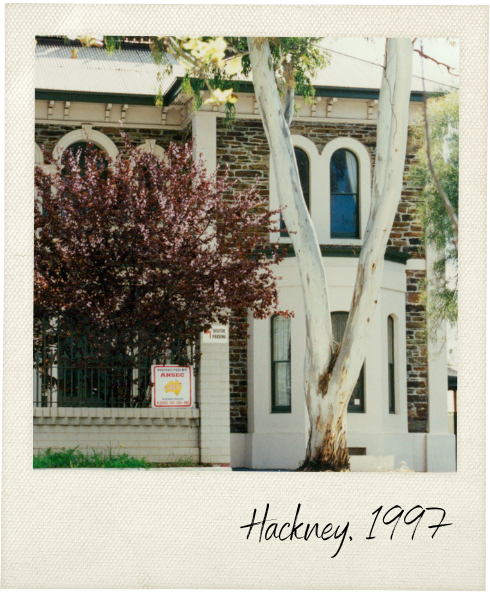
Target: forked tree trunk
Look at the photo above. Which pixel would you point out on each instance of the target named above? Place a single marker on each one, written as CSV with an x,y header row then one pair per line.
x,y
298,222
330,380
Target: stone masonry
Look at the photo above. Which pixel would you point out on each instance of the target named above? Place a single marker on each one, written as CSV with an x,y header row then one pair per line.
x,y
243,148
49,135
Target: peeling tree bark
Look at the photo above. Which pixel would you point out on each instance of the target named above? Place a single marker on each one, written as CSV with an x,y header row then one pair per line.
x,y
298,221
330,380
390,163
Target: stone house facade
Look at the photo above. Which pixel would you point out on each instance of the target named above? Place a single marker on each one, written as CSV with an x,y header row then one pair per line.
x,y
400,409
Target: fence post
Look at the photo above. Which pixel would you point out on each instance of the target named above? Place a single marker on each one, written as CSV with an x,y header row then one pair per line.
x,y
213,387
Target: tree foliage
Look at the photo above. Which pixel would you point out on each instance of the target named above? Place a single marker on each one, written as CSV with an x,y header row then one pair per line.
x,y
142,254
218,65
441,294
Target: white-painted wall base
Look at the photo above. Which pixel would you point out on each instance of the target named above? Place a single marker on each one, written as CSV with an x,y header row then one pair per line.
x,y
441,453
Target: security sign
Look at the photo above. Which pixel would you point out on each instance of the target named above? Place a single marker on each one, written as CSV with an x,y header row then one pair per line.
x,y
172,386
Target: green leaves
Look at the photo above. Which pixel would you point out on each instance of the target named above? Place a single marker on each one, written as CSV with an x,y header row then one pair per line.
x,y
441,293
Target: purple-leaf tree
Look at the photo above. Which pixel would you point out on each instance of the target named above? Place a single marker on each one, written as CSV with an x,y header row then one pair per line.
x,y
135,257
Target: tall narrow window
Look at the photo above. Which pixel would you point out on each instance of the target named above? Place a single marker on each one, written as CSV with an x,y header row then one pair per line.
x,y
391,364
281,364
344,195
303,163
356,403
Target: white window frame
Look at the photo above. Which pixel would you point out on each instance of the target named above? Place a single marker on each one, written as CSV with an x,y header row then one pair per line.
x,y
320,188
364,187
151,147
84,134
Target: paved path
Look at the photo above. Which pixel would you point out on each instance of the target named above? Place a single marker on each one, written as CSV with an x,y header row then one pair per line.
x,y
263,470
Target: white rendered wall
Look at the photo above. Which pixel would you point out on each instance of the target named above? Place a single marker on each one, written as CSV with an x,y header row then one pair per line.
x,y
278,440
441,444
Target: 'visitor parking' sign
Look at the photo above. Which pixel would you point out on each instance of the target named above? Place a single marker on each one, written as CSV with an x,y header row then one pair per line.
x,y
217,334
172,387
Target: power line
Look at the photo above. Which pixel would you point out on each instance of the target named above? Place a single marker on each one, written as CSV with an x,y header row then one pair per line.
x,y
380,66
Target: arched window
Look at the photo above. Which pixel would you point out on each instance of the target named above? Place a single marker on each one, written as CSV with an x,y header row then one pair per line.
x,y
38,155
391,364
281,364
303,163
81,149
344,195
356,403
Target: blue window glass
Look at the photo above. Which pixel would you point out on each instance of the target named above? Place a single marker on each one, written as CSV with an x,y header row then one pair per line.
x,y
344,195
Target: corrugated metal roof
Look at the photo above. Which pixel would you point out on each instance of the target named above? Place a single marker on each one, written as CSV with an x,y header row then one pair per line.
x,y
128,72
133,71
351,72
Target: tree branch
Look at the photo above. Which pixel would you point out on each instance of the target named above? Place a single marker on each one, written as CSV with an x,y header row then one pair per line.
x,y
371,259
445,199
427,57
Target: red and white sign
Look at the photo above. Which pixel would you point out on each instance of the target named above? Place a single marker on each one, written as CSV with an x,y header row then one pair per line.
x,y
173,387
217,334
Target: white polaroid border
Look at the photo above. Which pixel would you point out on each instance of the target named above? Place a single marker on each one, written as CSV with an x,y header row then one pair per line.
x,y
156,529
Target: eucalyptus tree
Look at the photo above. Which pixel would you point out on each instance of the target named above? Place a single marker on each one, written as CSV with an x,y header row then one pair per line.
x,y
281,68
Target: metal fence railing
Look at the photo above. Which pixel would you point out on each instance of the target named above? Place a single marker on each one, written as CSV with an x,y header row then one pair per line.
x,y
70,370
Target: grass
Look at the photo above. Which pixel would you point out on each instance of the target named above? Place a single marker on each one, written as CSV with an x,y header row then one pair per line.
x,y
184,461
75,459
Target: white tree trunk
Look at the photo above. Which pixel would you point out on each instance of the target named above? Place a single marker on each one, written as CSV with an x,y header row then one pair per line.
x,y
298,223
390,162
330,381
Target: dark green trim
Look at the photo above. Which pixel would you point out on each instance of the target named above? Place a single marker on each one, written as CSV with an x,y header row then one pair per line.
x,y
354,251
176,87
245,86
362,93
173,92
88,97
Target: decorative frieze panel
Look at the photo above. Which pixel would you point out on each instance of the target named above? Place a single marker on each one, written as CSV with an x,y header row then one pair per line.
x,y
136,417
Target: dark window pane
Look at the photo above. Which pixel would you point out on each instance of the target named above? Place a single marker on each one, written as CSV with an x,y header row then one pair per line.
x,y
282,382
344,216
343,172
391,364
304,173
281,339
81,149
339,321
356,403
303,163
344,194
391,352
281,364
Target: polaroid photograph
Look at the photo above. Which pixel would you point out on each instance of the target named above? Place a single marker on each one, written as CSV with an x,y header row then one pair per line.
x,y
233,320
